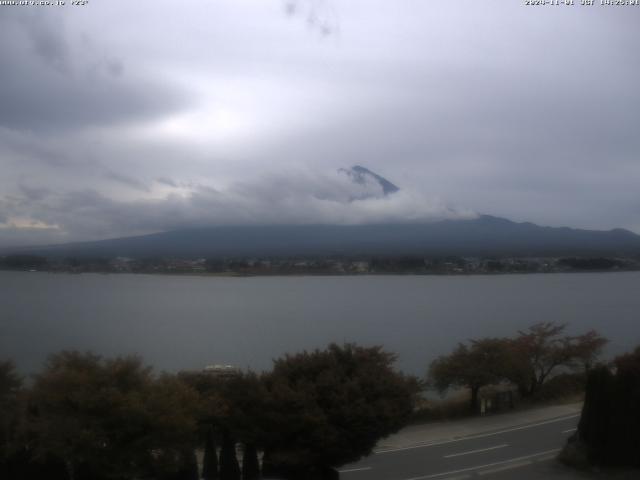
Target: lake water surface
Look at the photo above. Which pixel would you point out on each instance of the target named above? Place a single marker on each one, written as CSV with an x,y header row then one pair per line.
x,y
185,322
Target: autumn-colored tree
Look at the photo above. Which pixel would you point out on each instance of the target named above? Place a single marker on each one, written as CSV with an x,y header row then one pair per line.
x,y
543,348
527,361
472,366
587,348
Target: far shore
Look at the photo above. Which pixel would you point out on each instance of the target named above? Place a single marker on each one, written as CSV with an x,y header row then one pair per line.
x,y
315,274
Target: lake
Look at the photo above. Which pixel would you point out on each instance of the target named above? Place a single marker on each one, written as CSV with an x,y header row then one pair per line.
x,y
187,322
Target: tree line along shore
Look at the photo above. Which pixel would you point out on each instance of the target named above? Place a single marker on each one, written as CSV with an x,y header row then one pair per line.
x,y
450,265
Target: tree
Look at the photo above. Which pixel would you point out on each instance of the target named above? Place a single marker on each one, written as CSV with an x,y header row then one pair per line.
x,y
229,468
10,385
23,262
527,361
587,348
210,459
330,407
250,464
480,363
234,406
171,409
624,446
188,466
542,349
609,428
594,427
110,418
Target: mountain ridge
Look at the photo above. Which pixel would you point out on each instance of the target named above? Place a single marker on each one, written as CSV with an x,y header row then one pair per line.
x,y
485,235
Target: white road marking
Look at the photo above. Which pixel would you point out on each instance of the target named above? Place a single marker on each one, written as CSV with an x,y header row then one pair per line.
x,y
354,469
504,468
479,467
569,430
473,437
480,450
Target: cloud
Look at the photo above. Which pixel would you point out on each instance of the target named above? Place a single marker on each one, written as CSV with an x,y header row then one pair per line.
x,y
241,112
48,40
319,15
167,181
28,148
126,180
298,197
34,193
48,85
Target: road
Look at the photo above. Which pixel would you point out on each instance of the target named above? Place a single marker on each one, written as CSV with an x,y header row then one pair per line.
x,y
523,452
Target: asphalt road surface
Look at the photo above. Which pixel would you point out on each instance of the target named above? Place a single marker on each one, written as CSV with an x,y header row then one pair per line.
x,y
523,452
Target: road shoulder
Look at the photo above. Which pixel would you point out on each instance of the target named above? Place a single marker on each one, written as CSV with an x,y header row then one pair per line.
x,y
439,432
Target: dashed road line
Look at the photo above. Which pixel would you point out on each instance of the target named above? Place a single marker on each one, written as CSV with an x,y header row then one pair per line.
x,y
480,450
504,468
473,437
488,465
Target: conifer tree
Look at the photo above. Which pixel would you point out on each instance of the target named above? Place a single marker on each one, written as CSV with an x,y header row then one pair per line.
x,y
210,460
269,467
189,466
596,413
610,423
229,468
250,465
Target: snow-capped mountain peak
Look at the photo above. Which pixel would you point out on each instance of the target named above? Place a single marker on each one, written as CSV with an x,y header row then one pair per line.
x,y
373,185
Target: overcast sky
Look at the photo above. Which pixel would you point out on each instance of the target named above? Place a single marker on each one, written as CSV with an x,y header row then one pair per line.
x,y
121,118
